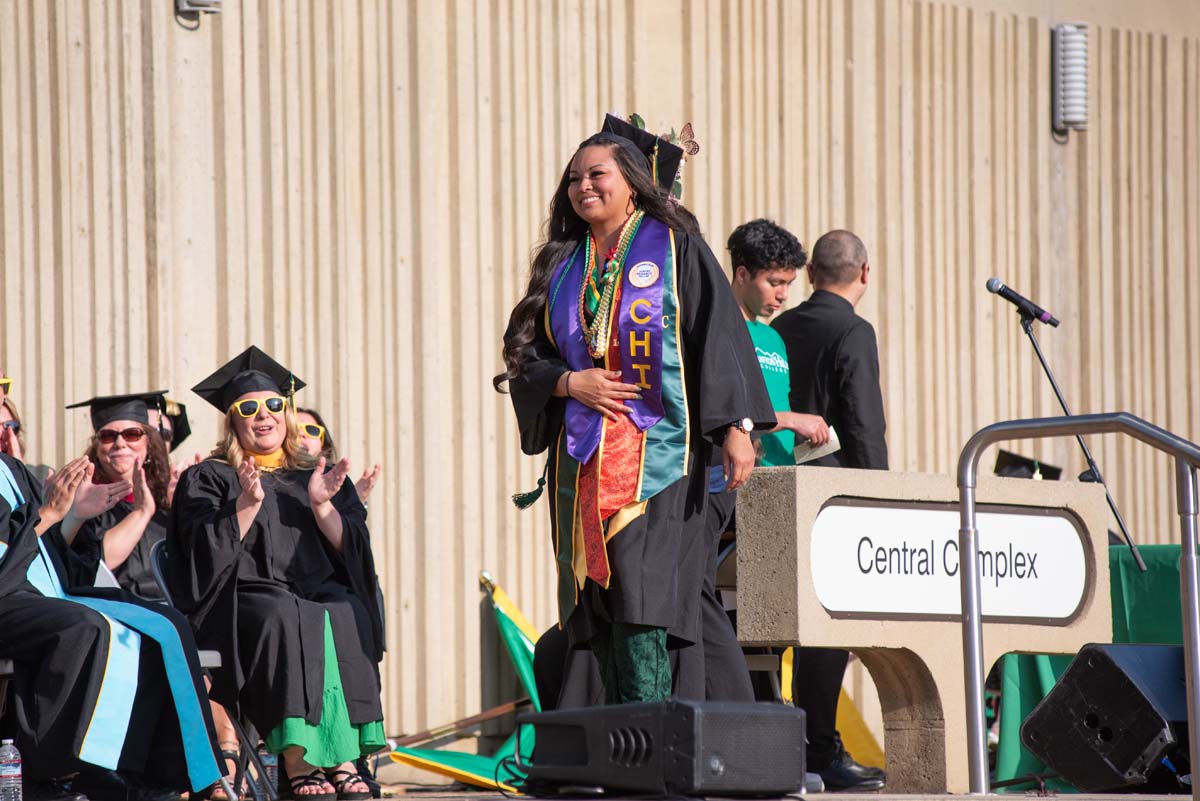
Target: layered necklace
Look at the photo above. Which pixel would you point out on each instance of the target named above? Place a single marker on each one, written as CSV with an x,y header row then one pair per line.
x,y
597,289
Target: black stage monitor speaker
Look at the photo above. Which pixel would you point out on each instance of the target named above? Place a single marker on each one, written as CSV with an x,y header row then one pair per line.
x,y
670,748
1113,716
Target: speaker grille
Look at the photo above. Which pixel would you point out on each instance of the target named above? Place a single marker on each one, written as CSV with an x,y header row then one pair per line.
x,y
630,747
750,752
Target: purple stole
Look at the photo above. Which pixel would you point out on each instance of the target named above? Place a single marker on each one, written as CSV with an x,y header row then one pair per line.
x,y
638,327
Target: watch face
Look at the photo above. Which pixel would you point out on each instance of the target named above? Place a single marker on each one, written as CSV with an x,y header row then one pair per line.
x,y
747,424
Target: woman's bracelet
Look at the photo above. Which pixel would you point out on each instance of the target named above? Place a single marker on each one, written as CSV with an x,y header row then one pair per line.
x,y
567,387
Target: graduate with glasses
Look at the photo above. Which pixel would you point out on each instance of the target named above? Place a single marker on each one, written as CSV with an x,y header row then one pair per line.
x,y
318,441
128,455
107,686
271,560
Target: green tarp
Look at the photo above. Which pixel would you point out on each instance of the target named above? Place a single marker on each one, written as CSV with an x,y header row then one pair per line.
x,y
1145,609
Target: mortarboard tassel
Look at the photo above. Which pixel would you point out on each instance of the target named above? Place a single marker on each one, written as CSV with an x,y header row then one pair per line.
x,y
523,500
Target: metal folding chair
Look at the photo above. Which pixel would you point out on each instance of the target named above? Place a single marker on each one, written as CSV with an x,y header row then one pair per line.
x,y
6,673
209,661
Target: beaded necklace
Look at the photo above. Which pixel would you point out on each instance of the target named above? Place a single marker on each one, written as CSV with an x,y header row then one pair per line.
x,y
595,321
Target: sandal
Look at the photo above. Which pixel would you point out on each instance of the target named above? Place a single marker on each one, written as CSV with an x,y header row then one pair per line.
x,y
210,793
315,778
347,777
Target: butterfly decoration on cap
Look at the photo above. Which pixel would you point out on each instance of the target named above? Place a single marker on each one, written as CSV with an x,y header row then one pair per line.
x,y
685,139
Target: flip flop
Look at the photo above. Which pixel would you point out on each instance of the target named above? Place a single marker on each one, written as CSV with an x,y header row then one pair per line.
x,y
313,779
346,777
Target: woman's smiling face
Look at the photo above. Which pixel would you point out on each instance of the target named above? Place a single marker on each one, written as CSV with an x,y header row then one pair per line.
x,y
117,458
265,431
596,188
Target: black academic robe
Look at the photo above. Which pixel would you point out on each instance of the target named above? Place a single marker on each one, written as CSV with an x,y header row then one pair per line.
x,y
261,601
60,651
134,574
658,561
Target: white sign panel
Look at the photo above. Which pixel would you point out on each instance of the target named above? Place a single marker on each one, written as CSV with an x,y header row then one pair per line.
x,y
904,561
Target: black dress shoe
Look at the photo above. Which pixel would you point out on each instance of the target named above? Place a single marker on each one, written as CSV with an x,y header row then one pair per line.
x,y
109,785
840,772
101,785
50,791
153,794
845,774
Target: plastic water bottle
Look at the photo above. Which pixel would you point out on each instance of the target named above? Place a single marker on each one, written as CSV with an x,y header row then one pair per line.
x,y
10,772
270,763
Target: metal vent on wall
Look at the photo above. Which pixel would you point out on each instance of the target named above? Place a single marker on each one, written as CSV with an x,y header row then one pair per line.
x,y
1069,77
198,6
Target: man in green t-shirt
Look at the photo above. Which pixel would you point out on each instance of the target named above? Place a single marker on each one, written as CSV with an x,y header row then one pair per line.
x,y
766,259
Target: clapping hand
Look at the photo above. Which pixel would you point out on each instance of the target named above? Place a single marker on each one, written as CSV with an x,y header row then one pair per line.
x,y
60,490
10,443
94,499
367,483
251,480
324,485
176,472
143,498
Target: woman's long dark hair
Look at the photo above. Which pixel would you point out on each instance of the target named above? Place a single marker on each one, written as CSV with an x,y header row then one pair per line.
x,y
565,228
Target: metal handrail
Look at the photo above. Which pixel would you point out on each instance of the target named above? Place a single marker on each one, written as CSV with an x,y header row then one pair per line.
x,y
1187,462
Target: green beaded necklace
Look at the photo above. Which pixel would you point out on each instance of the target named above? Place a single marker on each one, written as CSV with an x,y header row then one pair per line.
x,y
595,307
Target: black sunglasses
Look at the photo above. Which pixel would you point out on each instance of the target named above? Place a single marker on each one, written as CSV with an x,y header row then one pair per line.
x,y
109,435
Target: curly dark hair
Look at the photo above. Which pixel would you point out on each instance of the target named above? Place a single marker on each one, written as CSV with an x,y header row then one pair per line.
x,y
563,231
157,465
764,245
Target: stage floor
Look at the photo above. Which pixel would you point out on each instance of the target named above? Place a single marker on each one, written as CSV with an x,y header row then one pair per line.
x,y
454,792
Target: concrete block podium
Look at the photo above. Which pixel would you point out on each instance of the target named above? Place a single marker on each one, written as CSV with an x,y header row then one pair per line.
x,y
867,561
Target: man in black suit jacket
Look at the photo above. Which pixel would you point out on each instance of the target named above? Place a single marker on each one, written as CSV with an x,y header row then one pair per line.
x,y
832,355
834,369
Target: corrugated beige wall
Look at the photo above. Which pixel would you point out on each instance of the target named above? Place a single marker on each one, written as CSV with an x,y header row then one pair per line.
x,y
356,187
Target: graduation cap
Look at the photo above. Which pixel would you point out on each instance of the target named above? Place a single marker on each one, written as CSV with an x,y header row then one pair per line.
x,y
180,429
664,157
1014,465
135,406
249,371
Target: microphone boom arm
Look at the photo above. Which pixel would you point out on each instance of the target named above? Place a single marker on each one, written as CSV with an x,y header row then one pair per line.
x,y
1027,324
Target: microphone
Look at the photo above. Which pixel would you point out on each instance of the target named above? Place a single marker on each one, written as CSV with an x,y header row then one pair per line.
x,y
1023,304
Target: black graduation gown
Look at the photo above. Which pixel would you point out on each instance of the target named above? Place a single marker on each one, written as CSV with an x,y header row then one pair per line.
x,y
261,601
134,574
60,651
658,560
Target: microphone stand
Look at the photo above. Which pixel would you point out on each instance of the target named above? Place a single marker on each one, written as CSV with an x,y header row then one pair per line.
x,y
1027,324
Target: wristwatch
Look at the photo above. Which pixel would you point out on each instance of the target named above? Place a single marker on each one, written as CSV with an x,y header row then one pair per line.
x,y
745,425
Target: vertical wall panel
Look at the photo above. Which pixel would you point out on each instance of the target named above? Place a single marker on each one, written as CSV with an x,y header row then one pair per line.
x,y
357,188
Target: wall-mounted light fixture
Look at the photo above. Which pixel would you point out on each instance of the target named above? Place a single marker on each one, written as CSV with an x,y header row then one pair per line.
x,y
197,6
1069,77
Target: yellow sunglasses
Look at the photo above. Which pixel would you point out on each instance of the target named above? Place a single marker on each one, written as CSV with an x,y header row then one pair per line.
x,y
6,385
250,406
313,431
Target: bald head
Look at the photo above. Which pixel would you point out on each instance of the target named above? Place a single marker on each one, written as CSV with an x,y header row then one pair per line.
x,y
837,259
